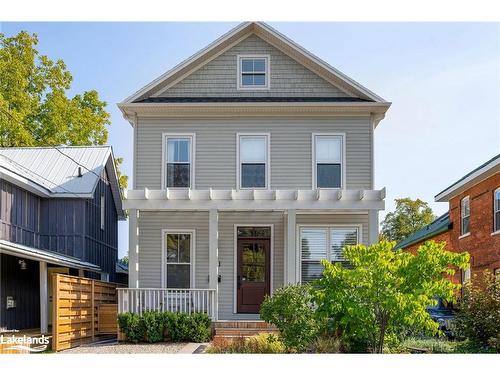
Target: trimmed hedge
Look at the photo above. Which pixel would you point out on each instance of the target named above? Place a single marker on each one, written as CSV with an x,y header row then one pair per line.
x,y
154,326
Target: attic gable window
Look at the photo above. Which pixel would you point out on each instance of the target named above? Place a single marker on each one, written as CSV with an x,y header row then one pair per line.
x,y
253,72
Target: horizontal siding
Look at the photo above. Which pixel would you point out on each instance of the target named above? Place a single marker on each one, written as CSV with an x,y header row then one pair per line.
x,y
332,219
227,220
290,149
150,227
219,76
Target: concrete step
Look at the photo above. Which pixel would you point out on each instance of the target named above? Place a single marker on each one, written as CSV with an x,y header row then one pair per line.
x,y
243,331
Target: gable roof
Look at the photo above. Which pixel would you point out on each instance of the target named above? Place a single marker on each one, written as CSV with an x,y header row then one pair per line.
x,y
440,225
478,174
54,172
272,37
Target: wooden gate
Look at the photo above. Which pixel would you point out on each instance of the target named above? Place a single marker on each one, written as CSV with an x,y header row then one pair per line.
x,y
79,306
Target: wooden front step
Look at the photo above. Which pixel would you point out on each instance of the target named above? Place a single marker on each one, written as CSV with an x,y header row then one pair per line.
x,y
234,329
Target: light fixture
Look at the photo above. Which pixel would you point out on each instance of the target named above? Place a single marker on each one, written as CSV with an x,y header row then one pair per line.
x,y
22,264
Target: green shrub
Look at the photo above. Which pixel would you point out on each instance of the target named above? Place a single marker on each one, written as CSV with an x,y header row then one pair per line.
x,y
154,324
132,325
264,343
183,327
291,310
479,312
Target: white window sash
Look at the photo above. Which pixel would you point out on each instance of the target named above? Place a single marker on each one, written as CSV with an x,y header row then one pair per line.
x,y
496,209
314,167
267,162
192,252
103,211
465,202
192,158
266,72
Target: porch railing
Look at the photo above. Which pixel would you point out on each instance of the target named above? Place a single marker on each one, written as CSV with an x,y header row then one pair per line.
x,y
139,300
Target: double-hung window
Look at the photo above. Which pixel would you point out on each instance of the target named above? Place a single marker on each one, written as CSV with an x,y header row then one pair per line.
x,y
179,155
253,72
496,210
328,161
317,243
178,259
465,215
253,161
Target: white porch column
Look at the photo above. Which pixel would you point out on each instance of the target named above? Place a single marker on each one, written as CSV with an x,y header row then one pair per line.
x,y
291,249
44,298
133,250
372,226
213,254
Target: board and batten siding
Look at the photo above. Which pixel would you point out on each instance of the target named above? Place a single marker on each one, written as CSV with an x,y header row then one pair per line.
x,y
227,252
218,77
291,153
151,224
339,219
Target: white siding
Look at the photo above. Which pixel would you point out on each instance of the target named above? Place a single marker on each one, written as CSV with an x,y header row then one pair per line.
x,y
219,76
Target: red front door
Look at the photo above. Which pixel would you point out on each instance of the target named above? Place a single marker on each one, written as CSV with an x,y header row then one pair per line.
x,y
253,274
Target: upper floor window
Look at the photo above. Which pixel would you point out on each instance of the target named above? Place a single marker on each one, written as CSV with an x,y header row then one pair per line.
x,y
465,215
253,72
253,161
496,210
328,161
178,161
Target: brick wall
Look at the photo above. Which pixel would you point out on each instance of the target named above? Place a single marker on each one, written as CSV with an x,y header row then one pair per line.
x,y
482,245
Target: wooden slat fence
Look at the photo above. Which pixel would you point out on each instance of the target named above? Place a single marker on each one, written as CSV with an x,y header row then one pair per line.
x,y
76,307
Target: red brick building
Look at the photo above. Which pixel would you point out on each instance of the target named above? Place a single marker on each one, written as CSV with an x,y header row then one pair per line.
x,y
472,222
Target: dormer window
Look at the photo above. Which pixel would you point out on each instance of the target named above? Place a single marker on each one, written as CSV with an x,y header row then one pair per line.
x,y
253,72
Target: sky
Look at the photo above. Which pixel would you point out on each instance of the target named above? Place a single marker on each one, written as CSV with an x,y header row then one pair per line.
x,y
443,80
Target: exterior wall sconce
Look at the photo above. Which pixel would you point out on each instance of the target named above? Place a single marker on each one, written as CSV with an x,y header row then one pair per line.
x,y
22,264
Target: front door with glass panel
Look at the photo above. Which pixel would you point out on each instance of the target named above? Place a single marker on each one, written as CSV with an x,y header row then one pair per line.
x,y
253,273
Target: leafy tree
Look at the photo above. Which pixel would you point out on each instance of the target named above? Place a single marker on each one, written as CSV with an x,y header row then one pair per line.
x,y
409,216
124,260
34,108
386,290
479,311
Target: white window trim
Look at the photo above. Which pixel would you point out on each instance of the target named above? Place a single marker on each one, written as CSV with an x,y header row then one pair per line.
x,y
235,261
239,85
495,231
462,233
103,211
165,136
192,252
342,164
328,228
268,160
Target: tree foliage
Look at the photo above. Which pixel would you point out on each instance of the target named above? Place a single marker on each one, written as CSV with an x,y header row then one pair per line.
x,y
385,290
34,107
409,216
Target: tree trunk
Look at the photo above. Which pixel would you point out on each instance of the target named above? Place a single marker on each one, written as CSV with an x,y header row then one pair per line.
x,y
383,327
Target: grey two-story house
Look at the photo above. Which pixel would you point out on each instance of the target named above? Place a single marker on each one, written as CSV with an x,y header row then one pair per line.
x,y
253,160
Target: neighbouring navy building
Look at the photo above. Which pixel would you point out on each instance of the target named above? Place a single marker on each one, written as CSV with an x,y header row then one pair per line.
x,y
59,212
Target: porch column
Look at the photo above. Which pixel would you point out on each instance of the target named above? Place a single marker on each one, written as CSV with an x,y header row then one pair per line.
x,y
133,250
372,226
213,254
291,249
44,299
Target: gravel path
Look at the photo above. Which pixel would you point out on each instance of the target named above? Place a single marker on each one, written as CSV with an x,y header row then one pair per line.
x,y
125,348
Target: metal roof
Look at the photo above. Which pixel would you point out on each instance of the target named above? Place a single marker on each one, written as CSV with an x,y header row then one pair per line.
x,y
440,225
491,167
121,268
62,172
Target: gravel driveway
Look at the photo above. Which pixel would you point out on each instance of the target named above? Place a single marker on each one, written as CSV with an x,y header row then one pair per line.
x,y
126,348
